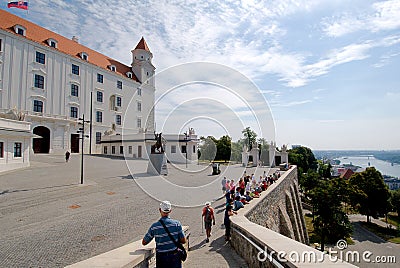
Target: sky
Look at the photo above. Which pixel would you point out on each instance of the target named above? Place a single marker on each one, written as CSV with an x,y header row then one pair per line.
x,y
318,73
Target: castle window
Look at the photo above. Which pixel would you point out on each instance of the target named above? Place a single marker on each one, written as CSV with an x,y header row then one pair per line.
x,y
99,96
74,112
98,137
113,68
38,106
52,42
119,101
39,81
139,123
84,56
118,119
18,149
139,91
100,78
1,149
40,57
99,116
119,84
21,30
139,106
74,90
75,69
183,149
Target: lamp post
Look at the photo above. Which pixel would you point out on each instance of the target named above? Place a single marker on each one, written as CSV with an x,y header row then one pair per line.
x,y
83,136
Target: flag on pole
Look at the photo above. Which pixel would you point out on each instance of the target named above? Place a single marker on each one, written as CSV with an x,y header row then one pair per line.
x,y
18,4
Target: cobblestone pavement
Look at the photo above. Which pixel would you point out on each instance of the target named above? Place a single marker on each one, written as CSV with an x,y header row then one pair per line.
x,y
49,219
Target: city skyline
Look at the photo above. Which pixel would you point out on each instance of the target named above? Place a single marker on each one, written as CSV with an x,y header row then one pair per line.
x,y
327,70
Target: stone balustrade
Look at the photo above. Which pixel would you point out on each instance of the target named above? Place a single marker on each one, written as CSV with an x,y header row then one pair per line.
x,y
270,231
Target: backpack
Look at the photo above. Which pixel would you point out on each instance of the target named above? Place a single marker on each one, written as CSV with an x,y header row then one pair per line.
x,y
207,217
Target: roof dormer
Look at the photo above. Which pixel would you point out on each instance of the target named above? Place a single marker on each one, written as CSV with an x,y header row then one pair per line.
x,y
84,56
112,68
52,42
19,29
129,74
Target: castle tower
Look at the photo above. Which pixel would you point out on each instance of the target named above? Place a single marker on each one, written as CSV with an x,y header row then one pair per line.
x,y
141,63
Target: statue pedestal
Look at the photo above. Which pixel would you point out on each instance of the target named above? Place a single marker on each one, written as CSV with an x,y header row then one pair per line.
x,y
157,164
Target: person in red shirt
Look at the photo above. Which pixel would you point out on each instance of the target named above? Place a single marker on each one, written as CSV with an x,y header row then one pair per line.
x,y
208,217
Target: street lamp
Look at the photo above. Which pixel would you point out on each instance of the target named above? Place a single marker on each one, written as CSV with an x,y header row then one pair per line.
x,y
83,136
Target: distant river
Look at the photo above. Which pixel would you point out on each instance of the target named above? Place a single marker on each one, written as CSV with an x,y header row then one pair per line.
x,y
384,167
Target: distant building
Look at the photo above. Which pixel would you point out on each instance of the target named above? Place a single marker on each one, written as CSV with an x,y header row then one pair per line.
x,y
178,147
392,183
343,171
346,174
54,80
15,140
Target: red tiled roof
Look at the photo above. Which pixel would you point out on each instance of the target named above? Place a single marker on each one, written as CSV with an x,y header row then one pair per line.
x,y
142,45
347,174
40,35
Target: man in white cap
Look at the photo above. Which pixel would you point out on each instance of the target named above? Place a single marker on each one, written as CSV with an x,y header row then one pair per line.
x,y
208,215
167,254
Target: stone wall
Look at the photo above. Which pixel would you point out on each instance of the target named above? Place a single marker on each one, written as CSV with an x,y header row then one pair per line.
x,y
279,208
270,231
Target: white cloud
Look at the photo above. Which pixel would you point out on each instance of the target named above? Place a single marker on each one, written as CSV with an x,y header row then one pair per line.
x,y
244,35
380,16
293,103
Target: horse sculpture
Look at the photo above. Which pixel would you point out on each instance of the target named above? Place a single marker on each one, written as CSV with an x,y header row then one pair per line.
x,y
157,148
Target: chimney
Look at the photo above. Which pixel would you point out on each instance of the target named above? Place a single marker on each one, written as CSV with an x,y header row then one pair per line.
x,y
75,39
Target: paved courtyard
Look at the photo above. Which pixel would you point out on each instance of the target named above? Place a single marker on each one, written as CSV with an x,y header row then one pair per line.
x,y
48,219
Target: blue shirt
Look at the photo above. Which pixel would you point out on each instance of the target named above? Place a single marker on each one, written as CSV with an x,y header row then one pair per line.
x,y
163,242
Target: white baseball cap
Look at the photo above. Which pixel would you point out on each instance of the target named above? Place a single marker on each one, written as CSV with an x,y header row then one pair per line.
x,y
165,206
208,203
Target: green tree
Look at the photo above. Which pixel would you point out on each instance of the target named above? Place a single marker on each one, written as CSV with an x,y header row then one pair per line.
x,y
208,148
395,200
236,150
324,170
330,221
304,158
308,181
249,137
224,148
371,193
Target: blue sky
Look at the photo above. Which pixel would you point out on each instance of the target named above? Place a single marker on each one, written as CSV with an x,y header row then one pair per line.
x,y
328,70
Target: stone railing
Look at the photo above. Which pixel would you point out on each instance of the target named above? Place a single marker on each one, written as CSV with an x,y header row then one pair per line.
x,y
270,231
132,255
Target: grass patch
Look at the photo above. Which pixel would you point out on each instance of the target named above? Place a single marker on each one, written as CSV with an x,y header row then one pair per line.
x,y
388,234
312,236
393,219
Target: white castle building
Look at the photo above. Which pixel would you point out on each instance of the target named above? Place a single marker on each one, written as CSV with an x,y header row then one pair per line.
x,y
54,81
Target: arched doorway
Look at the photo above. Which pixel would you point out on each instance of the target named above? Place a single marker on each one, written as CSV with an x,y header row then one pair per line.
x,y
41,145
